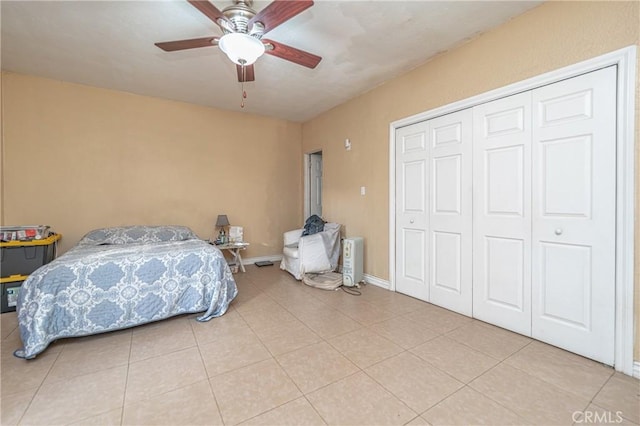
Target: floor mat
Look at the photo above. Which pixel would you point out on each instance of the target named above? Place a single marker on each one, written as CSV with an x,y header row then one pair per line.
x,y
326,281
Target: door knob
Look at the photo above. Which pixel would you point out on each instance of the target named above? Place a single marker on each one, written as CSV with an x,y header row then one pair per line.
x,y
558,231
411,221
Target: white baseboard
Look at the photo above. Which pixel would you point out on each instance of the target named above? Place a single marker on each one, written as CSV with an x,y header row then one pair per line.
x,y
370,279
636,369
379,282
251,260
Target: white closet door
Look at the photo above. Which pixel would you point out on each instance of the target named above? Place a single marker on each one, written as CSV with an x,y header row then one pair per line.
x,y
412,203
450,216
502,212
574,198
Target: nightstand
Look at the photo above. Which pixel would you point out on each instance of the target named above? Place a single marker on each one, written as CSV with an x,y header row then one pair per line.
x,y
234,249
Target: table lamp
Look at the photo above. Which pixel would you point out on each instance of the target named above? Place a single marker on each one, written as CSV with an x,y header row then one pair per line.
x,y
221,222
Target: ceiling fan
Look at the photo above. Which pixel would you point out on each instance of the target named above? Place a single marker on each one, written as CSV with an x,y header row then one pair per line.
x,y
243,29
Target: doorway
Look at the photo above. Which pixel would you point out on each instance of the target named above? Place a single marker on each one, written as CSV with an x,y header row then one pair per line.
x,y
313,184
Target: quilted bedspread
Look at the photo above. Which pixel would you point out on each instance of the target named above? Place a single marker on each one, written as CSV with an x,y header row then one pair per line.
x,y
110,282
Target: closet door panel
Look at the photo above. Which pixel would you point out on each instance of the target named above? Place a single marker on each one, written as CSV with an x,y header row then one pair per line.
x,y
504,273
446,254
502,212
447,189
450,216
574,148
504,177
412,203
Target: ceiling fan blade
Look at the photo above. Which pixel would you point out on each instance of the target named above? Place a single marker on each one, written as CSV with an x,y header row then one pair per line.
x,y
280,11
292,54
209,10
170,46
246,73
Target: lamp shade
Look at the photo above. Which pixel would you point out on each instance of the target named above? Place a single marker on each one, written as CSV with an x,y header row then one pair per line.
x,y
222,220
241,48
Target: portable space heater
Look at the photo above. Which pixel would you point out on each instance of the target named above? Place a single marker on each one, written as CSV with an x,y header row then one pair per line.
x,y
352,254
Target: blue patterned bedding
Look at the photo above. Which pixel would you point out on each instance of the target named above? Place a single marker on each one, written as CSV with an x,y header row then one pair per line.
x,y
117,278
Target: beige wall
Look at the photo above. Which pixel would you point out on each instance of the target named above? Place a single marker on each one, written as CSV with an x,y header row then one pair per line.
x,y
548,37
78,158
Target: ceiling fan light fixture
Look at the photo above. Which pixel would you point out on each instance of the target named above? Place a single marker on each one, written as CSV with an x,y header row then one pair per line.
x,y
241,48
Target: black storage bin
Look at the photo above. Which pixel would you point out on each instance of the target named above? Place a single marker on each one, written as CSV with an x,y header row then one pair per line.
x,y
10,294
24,257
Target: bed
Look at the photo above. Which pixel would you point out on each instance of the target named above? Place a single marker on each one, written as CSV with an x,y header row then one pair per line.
x,y
117,278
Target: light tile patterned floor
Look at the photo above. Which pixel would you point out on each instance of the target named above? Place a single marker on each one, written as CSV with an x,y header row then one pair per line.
x,y
288,354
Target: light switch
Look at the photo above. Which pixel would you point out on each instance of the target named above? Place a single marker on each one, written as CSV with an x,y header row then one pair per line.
x,y
347,144
363,190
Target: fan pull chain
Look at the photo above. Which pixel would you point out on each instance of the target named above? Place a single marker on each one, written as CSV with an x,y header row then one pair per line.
x,y
244,93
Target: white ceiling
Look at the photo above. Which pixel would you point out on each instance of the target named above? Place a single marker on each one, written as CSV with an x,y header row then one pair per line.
x,y
109,44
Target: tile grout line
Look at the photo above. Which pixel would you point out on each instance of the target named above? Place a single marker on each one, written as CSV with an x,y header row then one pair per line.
x,y
302,394
204,364
600,389
126,380
480,350
40,385
489,397
385,388
597,393
590,399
